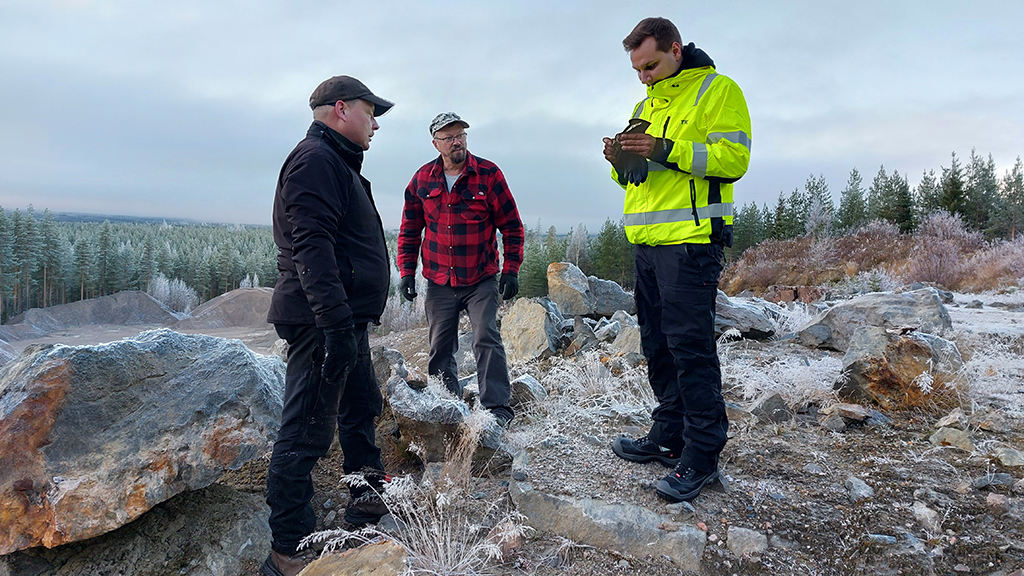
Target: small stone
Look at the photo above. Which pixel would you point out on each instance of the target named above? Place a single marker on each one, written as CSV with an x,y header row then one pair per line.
x,y
997,479
329,519
962,568
624,564
833,423
849,411
773,409
973,305
681,510
1009,456
746,542
928,518
328,504
813,468
882,539
594,440
998,502
713,538
668,527
954,419
858,489
520,476
952,437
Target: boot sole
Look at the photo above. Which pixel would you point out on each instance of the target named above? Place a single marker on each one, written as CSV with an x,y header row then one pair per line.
x,y
642,459
669,493
362,519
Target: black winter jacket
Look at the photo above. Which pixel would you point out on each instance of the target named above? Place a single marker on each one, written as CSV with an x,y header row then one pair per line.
x,y
332,261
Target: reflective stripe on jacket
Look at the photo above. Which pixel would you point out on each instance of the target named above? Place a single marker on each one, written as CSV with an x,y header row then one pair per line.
x,y
687,198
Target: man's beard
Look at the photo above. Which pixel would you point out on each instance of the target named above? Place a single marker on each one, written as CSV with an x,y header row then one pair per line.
x,y
458,156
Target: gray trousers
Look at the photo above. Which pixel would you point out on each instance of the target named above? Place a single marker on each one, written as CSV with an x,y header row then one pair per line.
x,y
443,305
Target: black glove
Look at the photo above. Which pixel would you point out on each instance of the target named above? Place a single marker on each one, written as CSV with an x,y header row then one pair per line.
x,y
409,287
508,286
631,168
339,353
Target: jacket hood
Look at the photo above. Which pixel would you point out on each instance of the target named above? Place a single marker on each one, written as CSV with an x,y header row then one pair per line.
x,y
349,152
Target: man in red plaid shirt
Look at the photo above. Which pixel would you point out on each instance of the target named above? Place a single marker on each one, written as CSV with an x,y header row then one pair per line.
x,y
453,207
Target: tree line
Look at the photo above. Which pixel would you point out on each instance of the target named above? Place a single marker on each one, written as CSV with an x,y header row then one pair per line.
x,y
44,262
986,203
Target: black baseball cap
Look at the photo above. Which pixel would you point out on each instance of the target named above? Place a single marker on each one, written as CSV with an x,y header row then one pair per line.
x,y
347,88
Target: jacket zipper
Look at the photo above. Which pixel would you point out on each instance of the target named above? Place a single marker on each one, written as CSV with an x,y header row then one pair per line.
x,y
693,202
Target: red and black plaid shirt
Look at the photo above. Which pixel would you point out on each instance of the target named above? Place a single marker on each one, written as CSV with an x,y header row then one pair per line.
x,y
459,243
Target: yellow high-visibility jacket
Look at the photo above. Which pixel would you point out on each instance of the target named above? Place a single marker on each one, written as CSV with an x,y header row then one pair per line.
x,y
687,197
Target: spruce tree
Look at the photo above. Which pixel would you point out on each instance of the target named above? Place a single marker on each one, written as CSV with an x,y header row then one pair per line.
x,y
879,195
953,196
901,205
1012,193
982,190
928,196
852,212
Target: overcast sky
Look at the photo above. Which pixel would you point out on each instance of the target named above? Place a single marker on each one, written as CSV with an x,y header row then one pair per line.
x,y
187,109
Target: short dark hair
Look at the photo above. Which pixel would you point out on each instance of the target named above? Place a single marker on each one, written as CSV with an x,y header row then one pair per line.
x,y
662,29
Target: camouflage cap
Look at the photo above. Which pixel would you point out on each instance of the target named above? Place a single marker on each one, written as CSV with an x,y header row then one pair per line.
x,y
446,119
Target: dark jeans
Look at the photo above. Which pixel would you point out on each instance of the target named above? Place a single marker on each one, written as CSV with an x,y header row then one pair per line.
x,y
311,409
443,305
676,287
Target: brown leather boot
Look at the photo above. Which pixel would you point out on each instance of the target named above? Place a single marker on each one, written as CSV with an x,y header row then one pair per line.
x,y
281,565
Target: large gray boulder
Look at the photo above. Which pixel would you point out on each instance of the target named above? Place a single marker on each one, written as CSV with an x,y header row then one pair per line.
x,y
529,331
569,289
609,297
623,528
215,531
429,421
901,370
922,309
577,294
94,436
749,319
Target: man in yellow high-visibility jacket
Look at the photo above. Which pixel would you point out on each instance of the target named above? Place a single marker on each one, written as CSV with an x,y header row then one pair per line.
x,y
686,143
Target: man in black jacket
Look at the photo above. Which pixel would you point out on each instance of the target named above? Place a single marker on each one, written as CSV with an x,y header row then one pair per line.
x,y
333,280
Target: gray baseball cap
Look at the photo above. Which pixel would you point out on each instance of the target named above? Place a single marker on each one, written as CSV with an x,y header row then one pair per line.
x,y
347,88
444,120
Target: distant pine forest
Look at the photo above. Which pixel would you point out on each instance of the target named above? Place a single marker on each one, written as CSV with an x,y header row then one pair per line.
x,y
45,262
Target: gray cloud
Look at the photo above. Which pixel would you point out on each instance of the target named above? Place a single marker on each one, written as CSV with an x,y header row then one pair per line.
x,y
187,109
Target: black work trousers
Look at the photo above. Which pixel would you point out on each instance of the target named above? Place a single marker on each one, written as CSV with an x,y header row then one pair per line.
x,y
443,304
312,407
676,286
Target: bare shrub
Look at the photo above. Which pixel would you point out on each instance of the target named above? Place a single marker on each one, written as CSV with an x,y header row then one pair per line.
x,y
877,245
994,369
441,527
877,280
1001,266
400,314
800,381
942,246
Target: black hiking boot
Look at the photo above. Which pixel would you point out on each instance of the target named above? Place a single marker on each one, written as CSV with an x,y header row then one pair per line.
x,y
278,564
644,450
367,506
684,483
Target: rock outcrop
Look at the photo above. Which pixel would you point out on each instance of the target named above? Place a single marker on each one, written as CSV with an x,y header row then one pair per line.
x,y
94,436
833,329
577,294
897,370
529,331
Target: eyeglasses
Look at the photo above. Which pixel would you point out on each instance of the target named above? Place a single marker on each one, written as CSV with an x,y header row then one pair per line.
x,y
450,139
